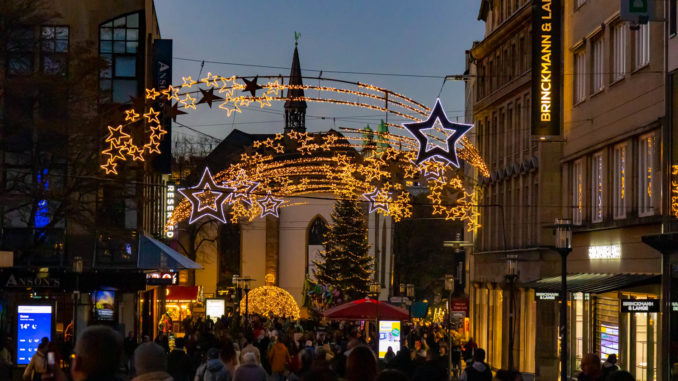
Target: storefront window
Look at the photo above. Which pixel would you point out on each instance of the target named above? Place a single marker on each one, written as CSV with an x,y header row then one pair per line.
x,y
579,325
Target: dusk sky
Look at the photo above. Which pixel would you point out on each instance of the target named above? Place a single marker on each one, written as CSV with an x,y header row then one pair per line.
x,y
397,36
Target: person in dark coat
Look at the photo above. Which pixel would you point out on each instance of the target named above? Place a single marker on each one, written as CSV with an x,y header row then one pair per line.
x,y
179,364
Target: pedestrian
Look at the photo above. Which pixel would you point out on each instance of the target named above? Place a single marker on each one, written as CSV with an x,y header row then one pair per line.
x,y
477,370
250,348
214,369
590,368
250,369
390,355
279,358
620,375
320,375
6,363
469,349
609,366
97,355
392,375
361,364
150,362
179,363
38,364
430,370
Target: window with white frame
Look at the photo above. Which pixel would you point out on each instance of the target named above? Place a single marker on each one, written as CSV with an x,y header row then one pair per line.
x,y
578,192
579,76
647,151
618,51
597,65
620,175
642,46
597,183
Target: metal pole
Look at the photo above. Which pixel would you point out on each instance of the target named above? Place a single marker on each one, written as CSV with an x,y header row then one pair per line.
x,y
511,319
449,333
563,315
247,303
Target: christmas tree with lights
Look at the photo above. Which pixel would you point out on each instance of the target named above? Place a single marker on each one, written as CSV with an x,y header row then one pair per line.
x,y
345,263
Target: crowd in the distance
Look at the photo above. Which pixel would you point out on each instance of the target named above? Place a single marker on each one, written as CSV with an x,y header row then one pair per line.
x,y
279,350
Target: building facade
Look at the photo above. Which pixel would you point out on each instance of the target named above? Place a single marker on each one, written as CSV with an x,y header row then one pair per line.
x,y
518,199
613,179
69,71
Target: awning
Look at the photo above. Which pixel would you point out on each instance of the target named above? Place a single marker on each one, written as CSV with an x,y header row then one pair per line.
x,y
182,293
594,283
155,255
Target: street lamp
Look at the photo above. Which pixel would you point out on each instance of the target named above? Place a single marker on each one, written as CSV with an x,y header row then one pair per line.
x,y
562,230
449,286
77,270
375,288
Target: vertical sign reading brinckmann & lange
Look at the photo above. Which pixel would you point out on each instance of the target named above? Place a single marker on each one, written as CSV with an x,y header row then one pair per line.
x,y
162,79
546,67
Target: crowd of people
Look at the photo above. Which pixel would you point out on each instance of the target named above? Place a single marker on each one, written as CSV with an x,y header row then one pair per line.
x,y
279,350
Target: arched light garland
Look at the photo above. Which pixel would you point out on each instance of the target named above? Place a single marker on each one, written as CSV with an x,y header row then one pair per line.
x,y
300,163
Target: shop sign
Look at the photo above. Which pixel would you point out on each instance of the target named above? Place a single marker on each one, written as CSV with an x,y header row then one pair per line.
x,y
636,306
215,308
31,281
605,252
546,62
459,305
162,278
547,295
674,306
169,208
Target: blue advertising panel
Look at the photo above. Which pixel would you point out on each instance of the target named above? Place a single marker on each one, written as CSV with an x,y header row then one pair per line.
x,y
33,323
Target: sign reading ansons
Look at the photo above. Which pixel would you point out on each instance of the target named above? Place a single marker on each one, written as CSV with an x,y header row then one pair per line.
x,y
546,64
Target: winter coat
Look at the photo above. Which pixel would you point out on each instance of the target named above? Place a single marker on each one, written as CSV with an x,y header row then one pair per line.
x,y
213,370
278,357
478,371
250,372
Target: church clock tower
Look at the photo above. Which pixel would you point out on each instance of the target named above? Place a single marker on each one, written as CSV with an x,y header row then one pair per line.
x,y
295,110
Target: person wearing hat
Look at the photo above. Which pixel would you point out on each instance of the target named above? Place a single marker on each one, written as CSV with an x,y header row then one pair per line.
x,y
609,366
213,369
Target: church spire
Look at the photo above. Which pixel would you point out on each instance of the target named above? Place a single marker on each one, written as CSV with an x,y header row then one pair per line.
x,y
295,110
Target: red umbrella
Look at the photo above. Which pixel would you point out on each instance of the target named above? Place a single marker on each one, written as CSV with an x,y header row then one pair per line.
x,y
366,309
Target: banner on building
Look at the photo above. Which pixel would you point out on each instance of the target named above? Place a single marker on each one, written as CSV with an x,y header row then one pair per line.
x,y
162,79
546,67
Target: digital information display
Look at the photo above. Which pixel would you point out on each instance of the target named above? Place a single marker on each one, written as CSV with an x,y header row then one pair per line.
x,y
215,308
104,305
609,340
389,336
34,323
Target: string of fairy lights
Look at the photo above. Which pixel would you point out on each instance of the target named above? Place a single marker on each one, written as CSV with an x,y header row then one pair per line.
x,y
378,167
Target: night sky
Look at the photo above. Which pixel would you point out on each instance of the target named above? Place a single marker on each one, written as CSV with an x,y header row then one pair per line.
x,y
403,37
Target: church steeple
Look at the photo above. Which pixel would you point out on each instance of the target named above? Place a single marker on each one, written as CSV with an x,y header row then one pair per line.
x,y
295,110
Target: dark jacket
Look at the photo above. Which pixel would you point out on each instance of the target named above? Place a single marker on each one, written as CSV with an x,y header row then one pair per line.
x,y
179,365
213,370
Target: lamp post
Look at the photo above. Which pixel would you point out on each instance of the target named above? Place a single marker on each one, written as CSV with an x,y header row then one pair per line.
x,y
563,236
511,278
77,270
449,286
375,287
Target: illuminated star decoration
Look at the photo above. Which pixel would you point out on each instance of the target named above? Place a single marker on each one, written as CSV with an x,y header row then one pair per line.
x,y
454,132
269,205
378,200
252,86
207,198
242,189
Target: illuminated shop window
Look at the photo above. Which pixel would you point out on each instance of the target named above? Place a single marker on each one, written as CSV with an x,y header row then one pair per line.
x,y
620,174
577,192
642,46
597,183
647,152
618,51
